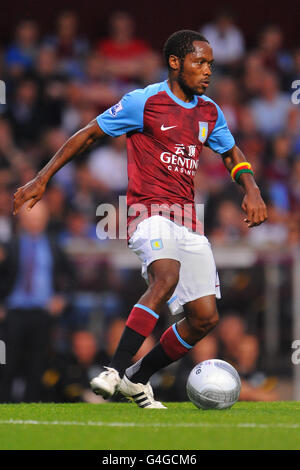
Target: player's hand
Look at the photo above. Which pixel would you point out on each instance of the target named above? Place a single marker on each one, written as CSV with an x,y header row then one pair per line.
x,y
255,208
32,191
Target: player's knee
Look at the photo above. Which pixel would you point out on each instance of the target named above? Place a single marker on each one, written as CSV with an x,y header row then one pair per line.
x,y
164,286
213,320
204,322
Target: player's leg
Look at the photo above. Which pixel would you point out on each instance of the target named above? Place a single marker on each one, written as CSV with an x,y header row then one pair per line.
x,y
201,317
163,275
198,280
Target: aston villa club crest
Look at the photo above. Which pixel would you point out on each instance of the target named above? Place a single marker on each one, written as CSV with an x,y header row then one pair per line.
x,y
156,244
203,131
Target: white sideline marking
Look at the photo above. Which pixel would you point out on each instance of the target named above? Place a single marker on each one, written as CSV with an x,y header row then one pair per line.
x,y
151,425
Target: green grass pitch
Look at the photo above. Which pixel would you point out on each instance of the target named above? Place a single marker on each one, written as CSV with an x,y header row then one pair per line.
x,y
123,426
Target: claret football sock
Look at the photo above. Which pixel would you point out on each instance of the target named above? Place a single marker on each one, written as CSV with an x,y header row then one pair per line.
x,y
139,326
170,348
173,345
142,320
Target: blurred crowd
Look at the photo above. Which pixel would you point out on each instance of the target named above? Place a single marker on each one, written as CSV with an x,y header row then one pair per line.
x,y
55,84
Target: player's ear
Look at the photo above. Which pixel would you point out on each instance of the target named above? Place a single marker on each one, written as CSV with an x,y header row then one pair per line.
x,y
174,62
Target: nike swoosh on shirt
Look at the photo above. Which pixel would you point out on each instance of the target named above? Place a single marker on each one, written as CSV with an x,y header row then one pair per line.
x,y
163,128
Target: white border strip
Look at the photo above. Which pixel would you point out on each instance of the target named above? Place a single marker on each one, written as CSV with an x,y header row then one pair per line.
x,y
150,425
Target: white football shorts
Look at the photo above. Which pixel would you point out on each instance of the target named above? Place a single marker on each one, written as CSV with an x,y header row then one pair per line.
x,y
159,238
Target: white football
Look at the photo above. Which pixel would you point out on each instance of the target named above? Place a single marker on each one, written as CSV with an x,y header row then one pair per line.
x,y
213,384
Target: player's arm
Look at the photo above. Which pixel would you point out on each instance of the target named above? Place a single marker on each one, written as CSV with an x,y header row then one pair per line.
x,y
123,117
75,145
253,204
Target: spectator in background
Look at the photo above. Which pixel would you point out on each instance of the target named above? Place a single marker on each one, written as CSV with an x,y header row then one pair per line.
x,y
70,119
227,96
87,191
272,55
108,165
24,114
272,109
71,49
52,85
253,70
128,58
256,386
278,171
67,377
229,227
57,209
11,156
294,187
21,54
36,279
46,64
250,139
77,111
226,40
98,87
230,332
78,228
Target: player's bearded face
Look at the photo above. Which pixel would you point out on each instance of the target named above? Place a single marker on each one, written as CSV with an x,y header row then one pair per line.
x,y
195,69
185,82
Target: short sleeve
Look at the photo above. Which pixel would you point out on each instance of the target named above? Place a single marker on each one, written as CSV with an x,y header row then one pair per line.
x,y
125,116
220,140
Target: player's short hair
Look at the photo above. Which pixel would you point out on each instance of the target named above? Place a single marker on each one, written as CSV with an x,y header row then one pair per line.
x,y
181,43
